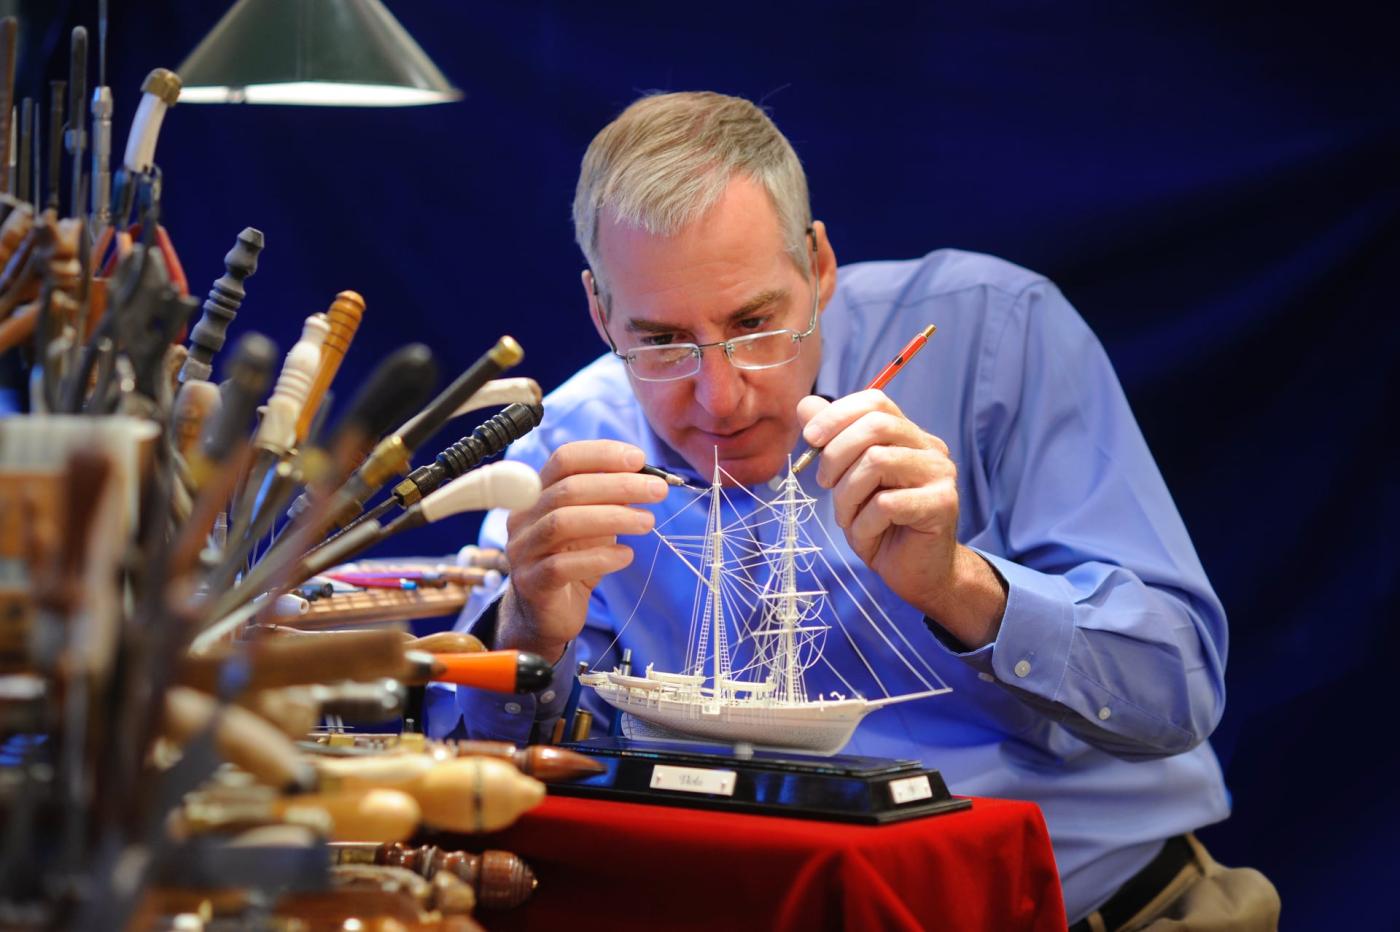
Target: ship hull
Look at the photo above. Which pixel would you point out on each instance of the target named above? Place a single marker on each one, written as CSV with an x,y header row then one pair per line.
x,y
820,727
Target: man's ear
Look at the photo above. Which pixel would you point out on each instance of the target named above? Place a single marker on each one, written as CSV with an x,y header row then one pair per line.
x,y
595,305
826,262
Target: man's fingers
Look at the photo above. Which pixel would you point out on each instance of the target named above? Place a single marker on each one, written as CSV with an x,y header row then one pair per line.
x,y
923,509
591,456
602,489
573,566
810,407
570,525
874,428
885,467
826,422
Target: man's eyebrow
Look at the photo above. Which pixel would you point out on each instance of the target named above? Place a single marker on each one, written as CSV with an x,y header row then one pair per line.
x,y
757,303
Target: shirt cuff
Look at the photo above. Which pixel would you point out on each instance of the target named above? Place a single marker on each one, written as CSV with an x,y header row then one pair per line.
x,y
497,716
1031,649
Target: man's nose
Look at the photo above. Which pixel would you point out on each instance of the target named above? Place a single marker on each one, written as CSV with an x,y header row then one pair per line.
x,y
719,387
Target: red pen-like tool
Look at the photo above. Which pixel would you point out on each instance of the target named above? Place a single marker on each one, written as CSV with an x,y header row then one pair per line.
x,y
880,381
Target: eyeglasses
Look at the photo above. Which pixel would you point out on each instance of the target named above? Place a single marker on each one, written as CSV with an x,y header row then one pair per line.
x,y
766,350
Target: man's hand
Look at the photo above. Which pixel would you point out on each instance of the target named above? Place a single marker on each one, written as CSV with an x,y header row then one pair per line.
x,y
560,548
896,497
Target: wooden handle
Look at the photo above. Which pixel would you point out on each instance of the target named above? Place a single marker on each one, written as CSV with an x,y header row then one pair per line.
x,y
447,642
376,815
293,710
197,402
475,794
274,662
501,879
16,227
243,738
363,773
488,558
465,794
344,319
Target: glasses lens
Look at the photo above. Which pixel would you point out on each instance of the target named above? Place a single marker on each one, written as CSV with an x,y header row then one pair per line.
x,y
763,350
664,363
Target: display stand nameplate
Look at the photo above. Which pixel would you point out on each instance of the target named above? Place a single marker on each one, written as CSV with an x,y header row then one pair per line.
x,y
712,776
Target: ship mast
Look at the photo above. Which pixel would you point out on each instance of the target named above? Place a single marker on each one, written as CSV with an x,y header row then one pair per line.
x,y
714,533
793,691
788,604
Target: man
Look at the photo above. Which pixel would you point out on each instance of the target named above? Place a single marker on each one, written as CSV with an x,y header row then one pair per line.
x,y
997,499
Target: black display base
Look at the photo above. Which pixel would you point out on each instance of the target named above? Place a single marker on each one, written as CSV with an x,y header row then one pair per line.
x,y
872,790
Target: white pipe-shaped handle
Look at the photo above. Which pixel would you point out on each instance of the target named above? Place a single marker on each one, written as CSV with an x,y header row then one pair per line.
x,y
502,392
277,432
161,90
507,485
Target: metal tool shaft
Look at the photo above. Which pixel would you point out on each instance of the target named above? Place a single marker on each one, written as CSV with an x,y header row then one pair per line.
x,y
75,137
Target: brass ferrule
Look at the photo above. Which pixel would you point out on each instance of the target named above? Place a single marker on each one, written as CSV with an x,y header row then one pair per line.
x,y
408,493
389,458
164,83
506,352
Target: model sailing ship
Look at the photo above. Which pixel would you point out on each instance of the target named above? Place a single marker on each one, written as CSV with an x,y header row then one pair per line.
x,y
781,622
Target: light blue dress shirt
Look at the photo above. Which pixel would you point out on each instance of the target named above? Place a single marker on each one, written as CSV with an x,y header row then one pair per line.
x,y
1107,675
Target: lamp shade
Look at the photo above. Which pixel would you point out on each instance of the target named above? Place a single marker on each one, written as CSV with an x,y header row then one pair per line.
x,y
349,53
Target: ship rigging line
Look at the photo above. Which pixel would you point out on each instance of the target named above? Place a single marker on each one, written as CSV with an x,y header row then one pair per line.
x,y
646,583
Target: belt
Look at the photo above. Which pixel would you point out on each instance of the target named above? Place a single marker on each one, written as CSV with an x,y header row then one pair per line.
x,y
1138,890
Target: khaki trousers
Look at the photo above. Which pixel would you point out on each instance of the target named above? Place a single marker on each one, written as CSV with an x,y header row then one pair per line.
x,y
1206,897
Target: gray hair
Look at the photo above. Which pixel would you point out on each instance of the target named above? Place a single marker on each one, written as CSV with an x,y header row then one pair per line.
x,y
667,158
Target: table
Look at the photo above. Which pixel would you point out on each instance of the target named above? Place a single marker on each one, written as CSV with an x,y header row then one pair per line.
x,y
615,865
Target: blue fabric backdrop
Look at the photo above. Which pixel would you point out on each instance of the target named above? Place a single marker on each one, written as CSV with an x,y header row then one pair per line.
x,y
1214,186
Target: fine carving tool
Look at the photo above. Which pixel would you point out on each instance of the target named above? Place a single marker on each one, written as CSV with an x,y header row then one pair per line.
x,y
9,49
880,381
75,137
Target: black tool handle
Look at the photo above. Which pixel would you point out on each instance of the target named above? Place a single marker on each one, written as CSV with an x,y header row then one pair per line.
x,y
494,435
249,375
493,362
399,384
221,307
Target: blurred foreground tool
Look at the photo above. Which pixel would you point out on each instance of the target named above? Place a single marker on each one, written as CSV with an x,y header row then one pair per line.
x,y
374,814
501,879
464,794
544,763
9,50
274,662
541,761
297,710
502,671
394,454
343,319
487,440
447,642
243,738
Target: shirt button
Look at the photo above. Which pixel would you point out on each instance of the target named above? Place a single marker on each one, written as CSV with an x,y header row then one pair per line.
x,y
547,696
986,678
1104,714
1023,667
513,708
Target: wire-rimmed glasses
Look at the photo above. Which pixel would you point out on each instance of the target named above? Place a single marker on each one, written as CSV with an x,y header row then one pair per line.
x,y
767,350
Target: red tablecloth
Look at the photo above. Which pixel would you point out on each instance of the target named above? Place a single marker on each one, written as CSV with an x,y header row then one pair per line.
x,y
620,865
